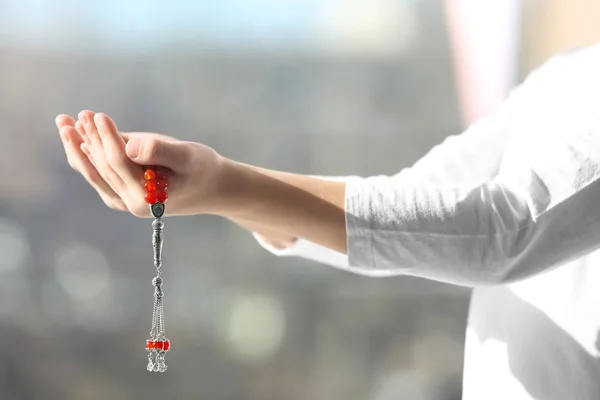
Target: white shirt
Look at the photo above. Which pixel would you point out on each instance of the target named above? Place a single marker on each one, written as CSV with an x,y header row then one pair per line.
x,y
510,207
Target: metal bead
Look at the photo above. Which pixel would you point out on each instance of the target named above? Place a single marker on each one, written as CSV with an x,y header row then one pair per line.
x,y
158,224
160,361
157,281
150,366
157,210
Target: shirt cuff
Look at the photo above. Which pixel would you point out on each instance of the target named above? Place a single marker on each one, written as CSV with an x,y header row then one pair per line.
x,y
359,233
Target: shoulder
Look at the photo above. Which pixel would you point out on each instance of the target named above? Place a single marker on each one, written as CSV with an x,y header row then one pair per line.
x,y
568,69
565,88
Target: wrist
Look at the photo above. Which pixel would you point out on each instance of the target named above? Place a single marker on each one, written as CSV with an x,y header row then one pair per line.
x,y
296,205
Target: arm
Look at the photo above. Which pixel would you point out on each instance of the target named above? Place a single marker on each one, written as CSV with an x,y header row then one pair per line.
x,y
539,211
469,158
533,215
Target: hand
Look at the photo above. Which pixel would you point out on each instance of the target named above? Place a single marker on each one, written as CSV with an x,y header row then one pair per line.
x,y
202,182
278,242
113,165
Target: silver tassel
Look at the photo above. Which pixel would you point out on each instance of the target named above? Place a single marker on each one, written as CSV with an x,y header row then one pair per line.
x,y
157,344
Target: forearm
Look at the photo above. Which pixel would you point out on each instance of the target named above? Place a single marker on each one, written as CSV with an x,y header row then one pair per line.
x,y
286,204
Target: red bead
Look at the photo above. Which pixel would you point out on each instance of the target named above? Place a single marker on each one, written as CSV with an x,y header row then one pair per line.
x,y
149,175
150,186
162,196
161,184
161,174
158,345
151,197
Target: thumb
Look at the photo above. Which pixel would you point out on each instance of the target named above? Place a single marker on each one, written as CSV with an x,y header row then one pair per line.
x,y
155,151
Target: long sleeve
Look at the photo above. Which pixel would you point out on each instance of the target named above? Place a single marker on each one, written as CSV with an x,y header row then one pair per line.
x,y
540,210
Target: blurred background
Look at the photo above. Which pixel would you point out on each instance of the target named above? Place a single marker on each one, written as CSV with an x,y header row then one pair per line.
x,y
330,87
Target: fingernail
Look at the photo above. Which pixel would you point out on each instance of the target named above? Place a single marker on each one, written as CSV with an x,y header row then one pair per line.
x,y
98,120
132,148
84,120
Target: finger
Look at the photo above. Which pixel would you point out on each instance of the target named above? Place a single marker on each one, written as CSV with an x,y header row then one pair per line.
x,y
85,138
85,150
127,136
66,138
64,120
153,151
114,148
98,153
81,164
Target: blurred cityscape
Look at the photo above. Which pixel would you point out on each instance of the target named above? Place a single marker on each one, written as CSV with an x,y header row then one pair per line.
x,y
370,95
